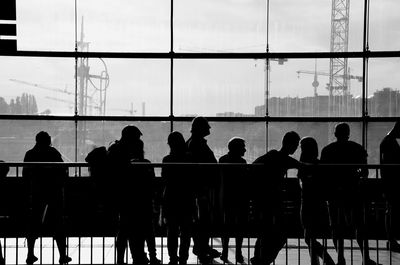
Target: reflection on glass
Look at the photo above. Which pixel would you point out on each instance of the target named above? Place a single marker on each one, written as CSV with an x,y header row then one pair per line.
x,y
45,25
127,26
223,26
302,88
384,84
298,26
118,87
37,86
218,87
384,25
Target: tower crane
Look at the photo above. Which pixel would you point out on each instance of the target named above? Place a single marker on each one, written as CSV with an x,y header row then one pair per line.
x,y
316,73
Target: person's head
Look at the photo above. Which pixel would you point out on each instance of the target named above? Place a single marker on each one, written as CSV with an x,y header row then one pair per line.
x,y
237,146
43,139
290,142
130,133
200,127
395,132
309,149
176,142
342,131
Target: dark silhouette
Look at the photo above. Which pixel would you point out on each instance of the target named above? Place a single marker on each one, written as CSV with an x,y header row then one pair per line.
x,y
268,199
3,174
133,196
46,202
314,208
206,180
234,195
390,154
345,202
178,199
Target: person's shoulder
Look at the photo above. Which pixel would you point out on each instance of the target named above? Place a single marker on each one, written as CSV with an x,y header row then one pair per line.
x,y
224,158
167,158
265,157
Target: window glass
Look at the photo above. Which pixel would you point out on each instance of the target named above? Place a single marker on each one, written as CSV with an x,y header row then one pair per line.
x,y
124,26
219,26
117,87
218,87
384,25
383,87
299,26
37,86
45,25
300,88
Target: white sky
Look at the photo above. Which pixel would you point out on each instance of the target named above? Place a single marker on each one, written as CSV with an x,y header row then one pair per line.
x,y
201,86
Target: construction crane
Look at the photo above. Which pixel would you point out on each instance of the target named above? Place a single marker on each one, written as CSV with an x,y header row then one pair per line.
x,y
65,91
316,73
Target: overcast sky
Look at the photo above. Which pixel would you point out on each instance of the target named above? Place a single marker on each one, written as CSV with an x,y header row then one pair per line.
x,y
201,86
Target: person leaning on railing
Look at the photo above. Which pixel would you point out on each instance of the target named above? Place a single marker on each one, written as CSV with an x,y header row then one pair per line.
x,y
46,195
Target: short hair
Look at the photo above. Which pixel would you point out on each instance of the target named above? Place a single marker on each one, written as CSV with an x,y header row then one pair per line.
x,y
342,130
235,142
43,138
130,131
290,137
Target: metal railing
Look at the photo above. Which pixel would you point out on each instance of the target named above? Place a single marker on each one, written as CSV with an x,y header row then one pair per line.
x,y
99,248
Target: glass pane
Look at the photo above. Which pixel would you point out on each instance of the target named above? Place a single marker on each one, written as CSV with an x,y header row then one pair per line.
x,y
300,88
322,132
218,87
223,26
383,87
124,26
18,136
254,133
123,87
384,25
37,86
103,133
306,25
45,25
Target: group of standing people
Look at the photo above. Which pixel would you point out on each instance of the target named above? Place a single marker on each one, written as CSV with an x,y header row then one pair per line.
x,y
192,193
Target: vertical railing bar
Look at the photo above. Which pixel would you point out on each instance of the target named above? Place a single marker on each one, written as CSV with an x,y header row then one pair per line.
x,y
162,249
91,250
286,253
377,251
79,250
104,251
351,251
16,250
298,251
115,250
17,171
52,251
41,249
4,248
248,249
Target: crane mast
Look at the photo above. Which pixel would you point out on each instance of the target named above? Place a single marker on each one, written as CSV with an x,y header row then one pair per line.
x,y
338,81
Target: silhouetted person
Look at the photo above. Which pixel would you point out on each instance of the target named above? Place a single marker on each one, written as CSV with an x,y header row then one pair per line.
x,y
314,208
178,200
234,193
46,195
390,154
206,179
3,174
345,203
133,195
268,198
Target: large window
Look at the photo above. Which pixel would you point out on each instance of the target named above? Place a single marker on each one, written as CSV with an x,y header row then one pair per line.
x,y
82,70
